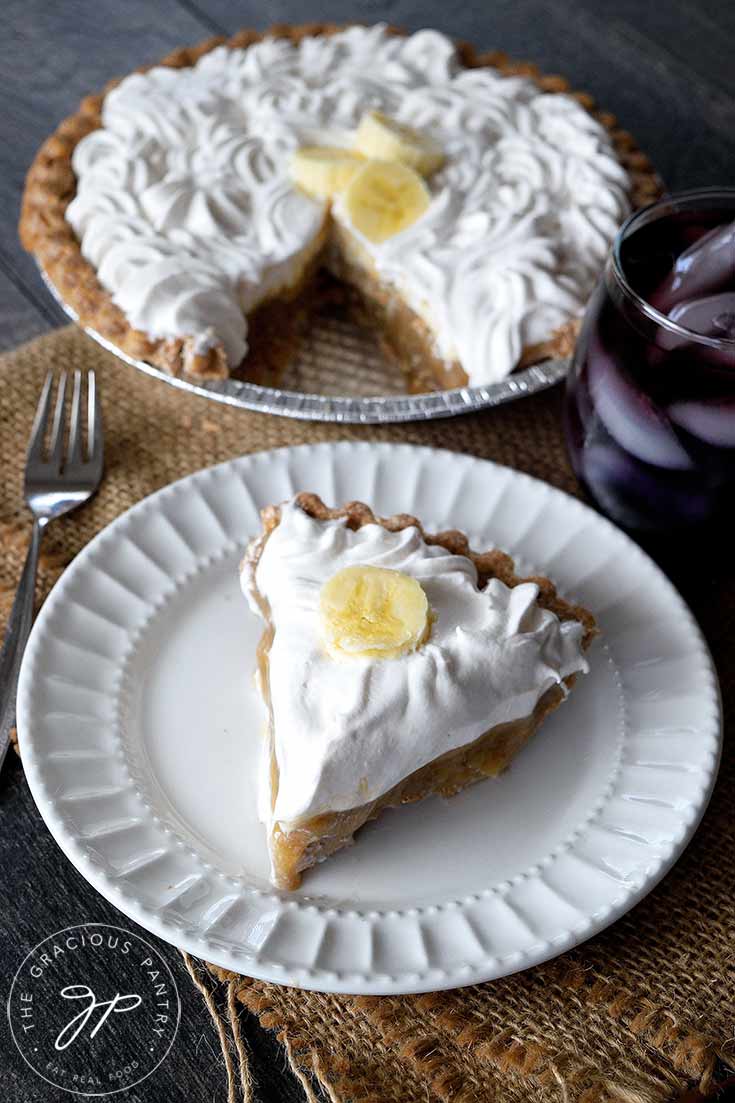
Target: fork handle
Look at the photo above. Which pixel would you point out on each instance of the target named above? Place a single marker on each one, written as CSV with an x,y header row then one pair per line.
x,y
16,636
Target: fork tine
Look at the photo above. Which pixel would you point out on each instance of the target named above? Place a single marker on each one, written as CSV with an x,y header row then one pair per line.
x,y
94,421
74,454
57,431
40,420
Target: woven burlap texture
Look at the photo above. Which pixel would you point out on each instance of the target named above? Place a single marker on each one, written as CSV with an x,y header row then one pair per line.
x,y
641,1013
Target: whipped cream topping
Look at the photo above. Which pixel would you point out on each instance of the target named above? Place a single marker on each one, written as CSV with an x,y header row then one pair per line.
x,y
186,209
345,732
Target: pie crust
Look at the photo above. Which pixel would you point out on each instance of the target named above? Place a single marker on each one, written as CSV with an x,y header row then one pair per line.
x,y
296,848
274,327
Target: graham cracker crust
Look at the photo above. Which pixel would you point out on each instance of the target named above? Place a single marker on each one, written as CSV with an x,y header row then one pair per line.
x,y
51,185
297,847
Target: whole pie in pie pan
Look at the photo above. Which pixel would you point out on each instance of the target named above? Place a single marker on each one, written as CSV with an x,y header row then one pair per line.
x,y
197,213
394,665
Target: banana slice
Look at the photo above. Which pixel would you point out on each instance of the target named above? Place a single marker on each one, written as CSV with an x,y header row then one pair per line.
x,y
384,198
323,171
383,139
373,612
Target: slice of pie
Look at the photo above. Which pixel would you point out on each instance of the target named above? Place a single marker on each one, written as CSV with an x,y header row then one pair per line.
x,y
394,664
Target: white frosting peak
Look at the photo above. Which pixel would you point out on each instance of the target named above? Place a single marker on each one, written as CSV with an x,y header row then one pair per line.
x,y
345,733
185,206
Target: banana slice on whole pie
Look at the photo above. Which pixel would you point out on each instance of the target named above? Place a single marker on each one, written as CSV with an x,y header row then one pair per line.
x,y
394,665
385,139
324,171
384,198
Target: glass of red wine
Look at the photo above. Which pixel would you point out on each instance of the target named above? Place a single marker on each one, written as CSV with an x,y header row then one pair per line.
x,y
650,403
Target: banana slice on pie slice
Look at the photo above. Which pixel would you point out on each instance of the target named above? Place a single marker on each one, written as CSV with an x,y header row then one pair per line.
x,y
373,612
384,139
384,198
324,171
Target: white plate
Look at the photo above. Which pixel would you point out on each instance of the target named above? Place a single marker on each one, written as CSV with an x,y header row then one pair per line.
x,y
139,729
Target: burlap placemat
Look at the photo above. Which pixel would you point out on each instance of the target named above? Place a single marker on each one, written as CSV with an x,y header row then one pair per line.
x,y
643,1013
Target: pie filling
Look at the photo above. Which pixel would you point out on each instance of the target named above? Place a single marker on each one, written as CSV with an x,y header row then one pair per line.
x,y
395,665
296,847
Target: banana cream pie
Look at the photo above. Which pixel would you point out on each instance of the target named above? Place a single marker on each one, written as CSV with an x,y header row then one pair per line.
x,y
468,202
394,664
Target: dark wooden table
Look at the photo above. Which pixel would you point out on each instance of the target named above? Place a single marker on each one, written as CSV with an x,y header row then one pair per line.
x,y
666,70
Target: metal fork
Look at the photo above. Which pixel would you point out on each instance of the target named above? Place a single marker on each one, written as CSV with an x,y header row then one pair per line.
x,y
57,480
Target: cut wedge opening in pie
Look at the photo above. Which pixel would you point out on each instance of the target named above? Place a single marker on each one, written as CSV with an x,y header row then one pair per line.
x,y
394,664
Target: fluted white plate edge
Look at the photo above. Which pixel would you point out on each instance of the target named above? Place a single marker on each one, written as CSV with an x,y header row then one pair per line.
x,y
139,730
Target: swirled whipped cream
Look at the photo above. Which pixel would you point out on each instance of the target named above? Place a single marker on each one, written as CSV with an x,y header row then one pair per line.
x,y
186,209
345,732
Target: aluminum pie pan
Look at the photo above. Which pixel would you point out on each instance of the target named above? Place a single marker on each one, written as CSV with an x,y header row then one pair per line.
x,y
345,409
